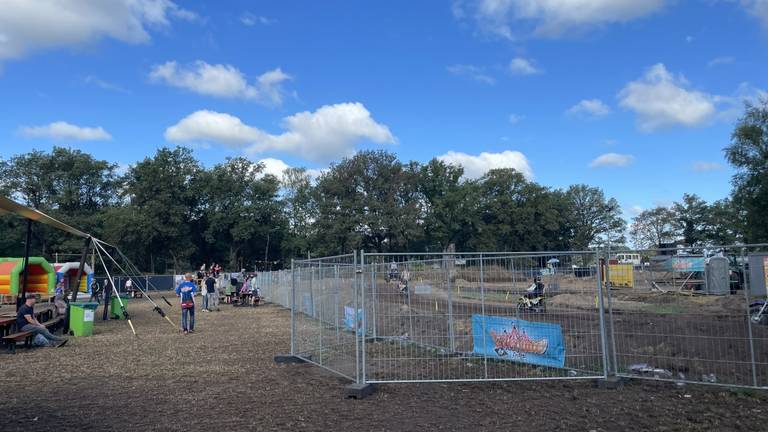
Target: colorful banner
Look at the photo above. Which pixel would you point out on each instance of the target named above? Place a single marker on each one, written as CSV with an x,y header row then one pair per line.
x,y
682,264
765,270
349,319
518,340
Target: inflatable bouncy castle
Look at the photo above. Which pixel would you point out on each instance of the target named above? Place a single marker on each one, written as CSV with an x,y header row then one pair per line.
x,y
42,277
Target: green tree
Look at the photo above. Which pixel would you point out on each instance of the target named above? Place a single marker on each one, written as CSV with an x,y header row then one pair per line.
x,y
725,223
300,211
241,210
450,206
164,195
518,215
593,218
692,217
654,227
748,153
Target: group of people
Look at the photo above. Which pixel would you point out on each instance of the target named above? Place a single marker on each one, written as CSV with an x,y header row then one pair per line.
x,y
208,284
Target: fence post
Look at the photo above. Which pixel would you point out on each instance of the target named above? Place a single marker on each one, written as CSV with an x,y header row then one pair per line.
x,y
362,301
357,325
312,289
611,321
293,308
336,301
373,299
320,312
451,341
603,338
749,318
482,313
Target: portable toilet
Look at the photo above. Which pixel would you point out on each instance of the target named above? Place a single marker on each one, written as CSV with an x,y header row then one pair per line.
x,y
717,280
42,277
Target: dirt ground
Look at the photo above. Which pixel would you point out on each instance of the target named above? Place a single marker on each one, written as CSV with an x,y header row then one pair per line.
x,y
223,378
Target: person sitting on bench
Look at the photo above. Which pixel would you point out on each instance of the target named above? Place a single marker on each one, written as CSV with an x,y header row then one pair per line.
x,y
26,322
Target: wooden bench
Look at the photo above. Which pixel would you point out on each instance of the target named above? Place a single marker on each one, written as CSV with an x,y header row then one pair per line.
x,y
12,339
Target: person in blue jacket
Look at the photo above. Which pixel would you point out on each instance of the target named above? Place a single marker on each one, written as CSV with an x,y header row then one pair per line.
x,y
186,291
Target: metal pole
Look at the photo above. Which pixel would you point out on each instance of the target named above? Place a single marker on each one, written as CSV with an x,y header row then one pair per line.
x,y
356,326
603,338
362,300
336,301
293,309
21,298
311,289
451,341
611,321
749,320
320,313
482,313
373,299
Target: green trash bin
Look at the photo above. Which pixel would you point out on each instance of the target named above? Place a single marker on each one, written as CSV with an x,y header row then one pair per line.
x,y
81,318
114,306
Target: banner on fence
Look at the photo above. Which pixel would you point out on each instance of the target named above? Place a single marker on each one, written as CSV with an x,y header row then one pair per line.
x,y
306,304
349,319
518,340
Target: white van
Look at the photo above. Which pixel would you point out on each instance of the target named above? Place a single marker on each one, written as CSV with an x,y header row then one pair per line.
x,y
629,258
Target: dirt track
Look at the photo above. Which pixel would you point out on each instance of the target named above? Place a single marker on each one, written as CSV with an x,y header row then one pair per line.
x,y
223,378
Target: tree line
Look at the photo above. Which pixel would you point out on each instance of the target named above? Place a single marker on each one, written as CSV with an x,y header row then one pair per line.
x,y
168,212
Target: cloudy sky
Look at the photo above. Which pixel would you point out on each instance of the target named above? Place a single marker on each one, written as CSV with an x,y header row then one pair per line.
x,y
637,97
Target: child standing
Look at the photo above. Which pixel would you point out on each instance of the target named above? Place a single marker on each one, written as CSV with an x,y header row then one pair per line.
x,y
186,291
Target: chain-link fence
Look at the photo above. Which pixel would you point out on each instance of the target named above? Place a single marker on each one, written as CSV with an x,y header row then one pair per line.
x,y
686,315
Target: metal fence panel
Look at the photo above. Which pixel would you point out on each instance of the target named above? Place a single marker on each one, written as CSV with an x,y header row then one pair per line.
x,y
454,317
324,301
686,317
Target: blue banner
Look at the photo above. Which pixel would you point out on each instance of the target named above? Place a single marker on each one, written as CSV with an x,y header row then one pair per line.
x,y
306,304
349,319
518,340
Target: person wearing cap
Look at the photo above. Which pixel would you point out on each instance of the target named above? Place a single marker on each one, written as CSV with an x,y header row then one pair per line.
x,y
26,322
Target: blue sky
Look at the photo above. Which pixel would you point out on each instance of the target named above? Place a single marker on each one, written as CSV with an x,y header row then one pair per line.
x,y
638,98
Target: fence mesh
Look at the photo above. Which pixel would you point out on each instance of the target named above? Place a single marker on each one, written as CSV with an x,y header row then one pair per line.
x,y
687,315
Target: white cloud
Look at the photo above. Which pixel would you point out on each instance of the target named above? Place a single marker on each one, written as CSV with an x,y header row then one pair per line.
x,y
330,132
612,160
61,130
221,80
758,8
475,166
212,126
521,66
27,26
701,166
633,211
473,72
92,80
689,38
661,99
719,61
515,118
251,19
590,107
277,167
511,19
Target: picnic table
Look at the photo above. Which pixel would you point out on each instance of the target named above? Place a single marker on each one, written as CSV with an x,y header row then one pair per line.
x,y
6,325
